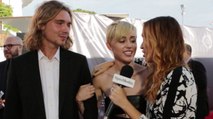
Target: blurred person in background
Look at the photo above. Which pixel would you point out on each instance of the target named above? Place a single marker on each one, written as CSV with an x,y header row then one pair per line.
x,y
200,75
12,46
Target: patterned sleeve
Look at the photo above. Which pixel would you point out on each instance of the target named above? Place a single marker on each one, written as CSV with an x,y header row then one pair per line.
x,y
184,106
186,97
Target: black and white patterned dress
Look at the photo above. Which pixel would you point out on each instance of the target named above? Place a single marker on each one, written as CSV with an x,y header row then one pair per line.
x,y
184,106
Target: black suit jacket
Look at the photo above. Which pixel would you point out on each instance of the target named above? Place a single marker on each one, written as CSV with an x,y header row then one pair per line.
x,y
24,93
3,76
200,76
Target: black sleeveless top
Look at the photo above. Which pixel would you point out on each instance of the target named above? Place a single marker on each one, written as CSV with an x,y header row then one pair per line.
x,y
137,100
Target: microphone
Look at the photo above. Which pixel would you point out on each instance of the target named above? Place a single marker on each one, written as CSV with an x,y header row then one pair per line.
x,y
1,94
123,80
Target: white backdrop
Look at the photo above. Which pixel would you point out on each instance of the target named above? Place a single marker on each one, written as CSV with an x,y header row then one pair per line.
x,y
89,38
88,34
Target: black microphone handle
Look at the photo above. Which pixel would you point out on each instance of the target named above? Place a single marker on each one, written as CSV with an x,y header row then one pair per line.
x,y
109,109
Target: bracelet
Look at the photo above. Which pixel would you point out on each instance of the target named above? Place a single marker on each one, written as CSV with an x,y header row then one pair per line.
x,y
142,117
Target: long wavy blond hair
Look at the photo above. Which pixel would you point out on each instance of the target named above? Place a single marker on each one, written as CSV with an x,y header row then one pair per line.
x,y
165,38
43,14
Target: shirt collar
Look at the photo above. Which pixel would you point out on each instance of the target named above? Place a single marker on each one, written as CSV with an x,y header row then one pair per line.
x,y
56,56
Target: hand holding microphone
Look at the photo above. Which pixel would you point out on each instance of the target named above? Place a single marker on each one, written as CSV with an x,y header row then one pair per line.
x,y
124,79
117,95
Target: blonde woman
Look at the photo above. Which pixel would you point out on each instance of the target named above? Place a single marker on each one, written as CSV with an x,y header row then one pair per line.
x,y
121,41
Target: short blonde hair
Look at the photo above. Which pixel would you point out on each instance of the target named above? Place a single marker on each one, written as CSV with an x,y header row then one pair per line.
x,y
118,29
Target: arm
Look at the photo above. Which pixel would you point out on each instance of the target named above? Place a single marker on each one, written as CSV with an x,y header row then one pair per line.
x,y
90,105
184,105
85,92
98,92
119,98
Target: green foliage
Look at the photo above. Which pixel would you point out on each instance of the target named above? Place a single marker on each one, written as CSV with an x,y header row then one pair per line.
x,y
84,11
9,27
5,10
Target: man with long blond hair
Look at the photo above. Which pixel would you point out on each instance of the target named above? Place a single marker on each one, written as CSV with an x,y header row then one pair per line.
x,y
43,83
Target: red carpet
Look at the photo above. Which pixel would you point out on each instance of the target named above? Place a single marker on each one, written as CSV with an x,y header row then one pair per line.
x,y
210,116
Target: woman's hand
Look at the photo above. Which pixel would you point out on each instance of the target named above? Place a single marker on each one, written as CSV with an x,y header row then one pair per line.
x,y
2,103
85,92
118,96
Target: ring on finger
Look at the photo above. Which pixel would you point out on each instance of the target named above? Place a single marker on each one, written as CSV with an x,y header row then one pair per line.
x,y
112,89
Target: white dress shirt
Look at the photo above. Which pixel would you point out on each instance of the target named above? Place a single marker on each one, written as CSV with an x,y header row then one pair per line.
x,y
49,72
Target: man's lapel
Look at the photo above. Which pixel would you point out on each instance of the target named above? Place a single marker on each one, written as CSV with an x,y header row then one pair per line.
x,y
62,78
35,72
